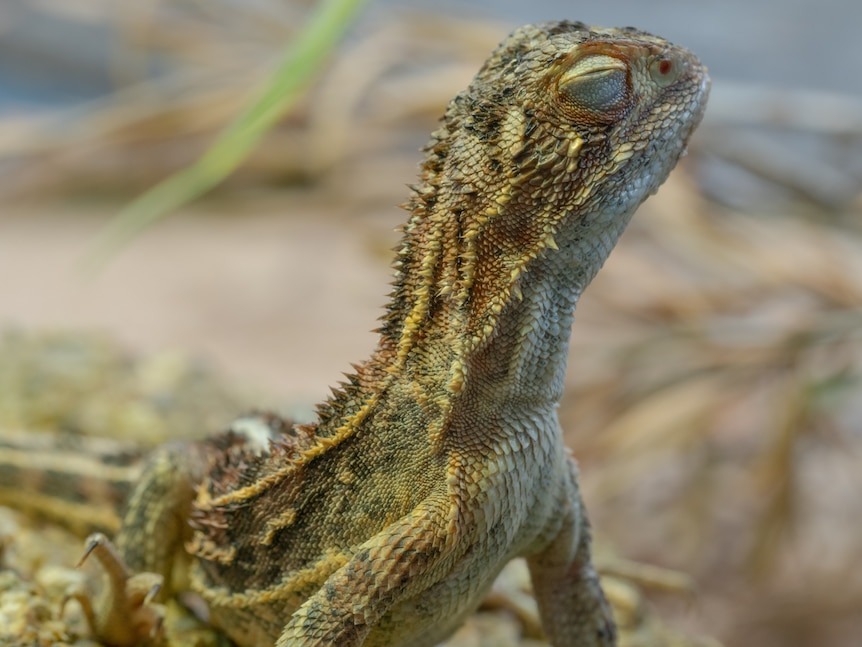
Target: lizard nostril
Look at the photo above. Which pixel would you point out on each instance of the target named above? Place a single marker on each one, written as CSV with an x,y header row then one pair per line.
x,y
665,71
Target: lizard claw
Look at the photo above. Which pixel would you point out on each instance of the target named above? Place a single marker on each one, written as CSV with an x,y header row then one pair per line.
x,y
123,614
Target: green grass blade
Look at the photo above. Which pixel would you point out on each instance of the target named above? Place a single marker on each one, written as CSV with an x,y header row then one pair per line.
x,y
302,60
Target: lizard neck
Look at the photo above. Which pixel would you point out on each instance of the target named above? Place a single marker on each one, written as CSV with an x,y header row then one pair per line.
x,y
452,350
514,353
487,278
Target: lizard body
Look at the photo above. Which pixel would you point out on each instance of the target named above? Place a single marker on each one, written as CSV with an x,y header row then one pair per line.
x,y
441,458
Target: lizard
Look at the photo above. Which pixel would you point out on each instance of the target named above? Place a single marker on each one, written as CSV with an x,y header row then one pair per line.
x,y
440,458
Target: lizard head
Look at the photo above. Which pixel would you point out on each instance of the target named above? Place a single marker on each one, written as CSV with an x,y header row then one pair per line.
x,y
563,132
565,121
626,103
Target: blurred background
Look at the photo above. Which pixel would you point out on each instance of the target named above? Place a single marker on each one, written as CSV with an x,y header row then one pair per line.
x,y
714,396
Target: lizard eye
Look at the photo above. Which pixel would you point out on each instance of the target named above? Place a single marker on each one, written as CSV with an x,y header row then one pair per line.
x,y
597,85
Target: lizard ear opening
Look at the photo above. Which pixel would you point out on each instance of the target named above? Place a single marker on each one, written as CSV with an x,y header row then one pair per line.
x,y
596,87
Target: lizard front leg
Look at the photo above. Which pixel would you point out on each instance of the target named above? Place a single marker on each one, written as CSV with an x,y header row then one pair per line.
x,y
140,561
572,605
394,565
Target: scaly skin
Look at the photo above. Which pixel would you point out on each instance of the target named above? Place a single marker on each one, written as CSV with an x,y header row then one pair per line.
x,y
441,459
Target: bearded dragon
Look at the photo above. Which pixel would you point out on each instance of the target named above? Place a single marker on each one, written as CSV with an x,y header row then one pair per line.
x,y
441,458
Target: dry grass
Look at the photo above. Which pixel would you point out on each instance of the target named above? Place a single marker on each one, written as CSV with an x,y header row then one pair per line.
x,y
715,405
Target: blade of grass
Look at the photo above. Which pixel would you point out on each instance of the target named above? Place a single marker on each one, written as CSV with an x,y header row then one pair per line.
x,y
302,60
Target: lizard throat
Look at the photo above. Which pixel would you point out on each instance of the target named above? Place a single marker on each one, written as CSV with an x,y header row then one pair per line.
x,y
511,351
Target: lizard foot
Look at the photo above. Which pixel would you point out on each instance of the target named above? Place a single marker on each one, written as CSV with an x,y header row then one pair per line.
x,y
123,614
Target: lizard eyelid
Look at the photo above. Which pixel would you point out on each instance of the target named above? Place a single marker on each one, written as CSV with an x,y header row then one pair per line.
x,y
596,84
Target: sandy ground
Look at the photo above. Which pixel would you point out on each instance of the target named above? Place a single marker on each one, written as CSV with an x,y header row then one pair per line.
x,y
280,293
